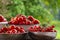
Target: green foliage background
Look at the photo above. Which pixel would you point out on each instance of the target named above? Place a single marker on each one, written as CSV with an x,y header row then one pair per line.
x,y
43,10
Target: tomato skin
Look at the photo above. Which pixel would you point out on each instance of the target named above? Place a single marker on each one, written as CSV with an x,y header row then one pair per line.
x,y
31,18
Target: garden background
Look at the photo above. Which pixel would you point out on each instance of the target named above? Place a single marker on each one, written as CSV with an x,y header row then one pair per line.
x,y
46,11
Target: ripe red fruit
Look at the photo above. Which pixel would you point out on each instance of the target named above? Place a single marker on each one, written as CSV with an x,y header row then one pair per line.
x,y
42,30
51,31
35,22
8,32
48,29
4,29
31,18
35,30
52,26
17,28
22,23
12,27
31,29
10,22
39,28
35,27
18,32
24,17
15,22
28,22
20,19
55,31
8,29
4,20
22,30
13,31
1,18
0,31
